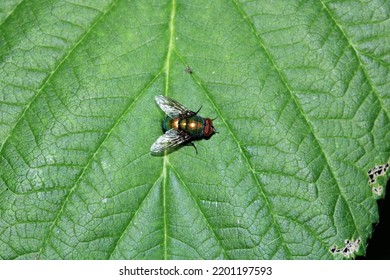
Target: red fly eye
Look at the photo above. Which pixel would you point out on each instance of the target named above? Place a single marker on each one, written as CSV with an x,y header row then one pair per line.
x,y
208,128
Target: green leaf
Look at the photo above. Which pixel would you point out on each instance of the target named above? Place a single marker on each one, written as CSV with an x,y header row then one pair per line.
x,y
300,93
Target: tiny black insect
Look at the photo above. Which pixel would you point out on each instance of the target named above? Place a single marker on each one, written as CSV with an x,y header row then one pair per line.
x,y
188,69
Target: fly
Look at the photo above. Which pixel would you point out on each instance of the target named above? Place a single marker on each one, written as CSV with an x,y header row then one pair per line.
x,y
181,127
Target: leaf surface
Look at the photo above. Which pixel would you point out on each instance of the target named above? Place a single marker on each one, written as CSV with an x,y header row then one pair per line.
x,y
300,93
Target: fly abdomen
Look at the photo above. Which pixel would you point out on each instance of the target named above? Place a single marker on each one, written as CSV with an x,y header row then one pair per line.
x,y
183,124
193,125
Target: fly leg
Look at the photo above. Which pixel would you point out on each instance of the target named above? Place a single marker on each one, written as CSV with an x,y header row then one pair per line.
x,y
193,145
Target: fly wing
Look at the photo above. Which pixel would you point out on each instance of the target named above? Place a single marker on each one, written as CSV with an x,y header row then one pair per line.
x,y
169,141
171,107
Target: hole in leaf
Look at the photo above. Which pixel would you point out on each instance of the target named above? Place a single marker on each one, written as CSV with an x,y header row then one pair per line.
x,y
350,248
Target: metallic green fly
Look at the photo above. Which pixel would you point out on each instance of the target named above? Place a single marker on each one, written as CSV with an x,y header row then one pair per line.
x,y
181,127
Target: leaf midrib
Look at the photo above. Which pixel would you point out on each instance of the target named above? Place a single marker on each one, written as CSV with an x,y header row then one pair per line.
x,y
165,161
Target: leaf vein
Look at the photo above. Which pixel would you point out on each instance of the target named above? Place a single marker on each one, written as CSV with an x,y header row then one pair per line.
x,y
357,53
297,104
47,80
98,149
200,210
